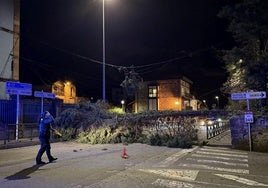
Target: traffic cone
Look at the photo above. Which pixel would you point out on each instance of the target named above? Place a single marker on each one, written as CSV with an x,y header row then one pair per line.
x,y
124,154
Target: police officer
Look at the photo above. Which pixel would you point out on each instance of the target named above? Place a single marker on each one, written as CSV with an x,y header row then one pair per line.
x,y
44,137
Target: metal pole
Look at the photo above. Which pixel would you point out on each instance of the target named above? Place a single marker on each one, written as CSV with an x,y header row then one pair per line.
x,y
42,103
17,117
249,130
103,52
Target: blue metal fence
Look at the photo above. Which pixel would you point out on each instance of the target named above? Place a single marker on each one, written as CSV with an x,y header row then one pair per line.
x,y
7,111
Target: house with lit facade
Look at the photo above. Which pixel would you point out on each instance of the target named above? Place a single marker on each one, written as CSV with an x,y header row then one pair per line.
x,y
169,94
66,91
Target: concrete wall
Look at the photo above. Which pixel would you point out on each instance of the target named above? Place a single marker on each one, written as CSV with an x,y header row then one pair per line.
x,y
259,133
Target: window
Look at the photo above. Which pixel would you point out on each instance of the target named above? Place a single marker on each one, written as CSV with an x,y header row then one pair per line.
x,y
153,92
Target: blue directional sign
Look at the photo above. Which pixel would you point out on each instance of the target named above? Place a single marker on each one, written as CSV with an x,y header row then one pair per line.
x,y
248,95
239,96
256,95
44,94
17,88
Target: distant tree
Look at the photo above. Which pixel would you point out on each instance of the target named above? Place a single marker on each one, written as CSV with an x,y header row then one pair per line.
x,y
247,62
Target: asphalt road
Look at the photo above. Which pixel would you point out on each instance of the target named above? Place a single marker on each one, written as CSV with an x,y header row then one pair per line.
x,y
101,166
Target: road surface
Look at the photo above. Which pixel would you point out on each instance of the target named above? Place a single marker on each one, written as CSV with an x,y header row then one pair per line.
x,y
101,166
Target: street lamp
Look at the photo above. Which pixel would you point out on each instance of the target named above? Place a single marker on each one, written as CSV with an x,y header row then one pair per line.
x,y
103,52
123,103
217,98
205,103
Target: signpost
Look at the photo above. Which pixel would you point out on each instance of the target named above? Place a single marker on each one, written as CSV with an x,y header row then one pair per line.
x,y
249,114
43,95
17,88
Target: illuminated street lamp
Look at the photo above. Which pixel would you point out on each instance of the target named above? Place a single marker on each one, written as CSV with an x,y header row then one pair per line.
x,y
218,104
205,103
123,105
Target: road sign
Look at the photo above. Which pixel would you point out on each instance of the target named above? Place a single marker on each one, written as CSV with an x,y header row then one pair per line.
x,y
44,94
239,96
248,95
17,88
248,117
256,95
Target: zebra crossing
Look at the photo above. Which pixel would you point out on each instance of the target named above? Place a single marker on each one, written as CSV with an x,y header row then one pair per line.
x,y
224,163
219,159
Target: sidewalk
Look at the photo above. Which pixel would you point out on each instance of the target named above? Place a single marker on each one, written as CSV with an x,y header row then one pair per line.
x,y
222,140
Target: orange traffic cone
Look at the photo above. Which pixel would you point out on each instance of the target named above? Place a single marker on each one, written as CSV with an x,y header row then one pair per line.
x,y
124,154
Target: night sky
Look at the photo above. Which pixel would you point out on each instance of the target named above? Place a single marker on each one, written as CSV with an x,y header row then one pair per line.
x,y
62,39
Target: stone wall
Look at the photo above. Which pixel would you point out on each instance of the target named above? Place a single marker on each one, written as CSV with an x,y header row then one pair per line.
x,y
259,133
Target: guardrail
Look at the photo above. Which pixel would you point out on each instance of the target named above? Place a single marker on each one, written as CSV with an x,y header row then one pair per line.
x,y
25,130
216,128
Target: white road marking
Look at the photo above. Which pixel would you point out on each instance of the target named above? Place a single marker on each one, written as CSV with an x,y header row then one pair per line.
x,y
186,175
218,157
223,151
172,184
241,171
222,154
242,180
178,184
217,162
173,158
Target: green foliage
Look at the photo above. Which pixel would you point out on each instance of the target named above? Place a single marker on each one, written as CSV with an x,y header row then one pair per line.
x,y
162,128
115,110
247,62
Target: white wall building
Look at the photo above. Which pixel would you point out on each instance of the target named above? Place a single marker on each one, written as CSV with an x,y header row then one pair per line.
x,y
9,43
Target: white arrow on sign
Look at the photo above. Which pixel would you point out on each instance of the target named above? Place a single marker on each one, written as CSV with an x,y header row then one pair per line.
x,y
256,95
44,94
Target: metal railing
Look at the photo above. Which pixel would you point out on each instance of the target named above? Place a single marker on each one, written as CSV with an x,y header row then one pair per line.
x,y
25,130
216,128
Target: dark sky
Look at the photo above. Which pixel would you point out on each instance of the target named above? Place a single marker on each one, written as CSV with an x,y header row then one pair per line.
x,y
62,39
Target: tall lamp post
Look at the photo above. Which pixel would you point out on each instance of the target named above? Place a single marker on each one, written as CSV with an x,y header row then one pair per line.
x,y
103,53
218,104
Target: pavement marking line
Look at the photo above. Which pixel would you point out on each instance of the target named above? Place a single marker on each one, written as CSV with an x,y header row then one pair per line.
x,y
217,162
177,184
218,157
173,158
174,184
242,180
186,175
240,171
223,151
222,154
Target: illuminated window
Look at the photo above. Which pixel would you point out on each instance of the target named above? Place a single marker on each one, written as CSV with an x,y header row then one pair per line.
x,y
153,92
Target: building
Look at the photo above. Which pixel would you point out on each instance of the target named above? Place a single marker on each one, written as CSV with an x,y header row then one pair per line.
x,y
65,91
9,43
171,94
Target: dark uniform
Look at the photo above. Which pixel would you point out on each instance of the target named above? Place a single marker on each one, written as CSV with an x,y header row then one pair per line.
x,y
44,137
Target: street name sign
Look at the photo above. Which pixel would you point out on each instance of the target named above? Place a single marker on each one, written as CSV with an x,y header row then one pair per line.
x,y
17,88
248,95
256,95
44,94
239,96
